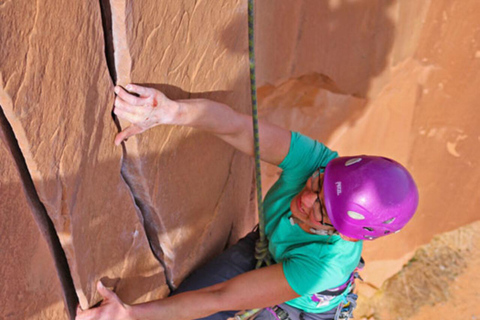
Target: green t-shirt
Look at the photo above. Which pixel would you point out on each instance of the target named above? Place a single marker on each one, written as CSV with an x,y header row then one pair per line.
x,y
311,263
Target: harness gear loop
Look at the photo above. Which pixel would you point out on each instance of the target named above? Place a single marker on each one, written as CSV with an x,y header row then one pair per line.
x,y
247,314
345,310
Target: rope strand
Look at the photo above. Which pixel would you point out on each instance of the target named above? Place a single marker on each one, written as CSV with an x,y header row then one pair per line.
x,y
261,247
261,250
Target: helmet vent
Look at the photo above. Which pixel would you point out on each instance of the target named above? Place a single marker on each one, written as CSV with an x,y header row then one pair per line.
x,y
389,221
386,232
352,161
355,215
368,229
369,237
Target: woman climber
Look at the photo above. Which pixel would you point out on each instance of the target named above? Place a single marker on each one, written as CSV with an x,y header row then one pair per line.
x,y
316,216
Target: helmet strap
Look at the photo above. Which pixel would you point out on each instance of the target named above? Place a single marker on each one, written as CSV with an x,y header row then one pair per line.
x,y
324,232
294,221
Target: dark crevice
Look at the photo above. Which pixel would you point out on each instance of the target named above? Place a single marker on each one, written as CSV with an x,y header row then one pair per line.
x,y
41,217
145,210
228,238
106,11
151,232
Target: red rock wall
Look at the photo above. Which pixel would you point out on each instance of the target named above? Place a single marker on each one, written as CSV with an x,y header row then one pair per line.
x,y
395,78
31,287
138,217
208,183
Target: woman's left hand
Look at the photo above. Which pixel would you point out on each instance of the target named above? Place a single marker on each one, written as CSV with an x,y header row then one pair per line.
x,y
110,308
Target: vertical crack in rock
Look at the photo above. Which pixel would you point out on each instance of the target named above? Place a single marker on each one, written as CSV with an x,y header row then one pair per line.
x,y
118,57
148,212
106,12
41,217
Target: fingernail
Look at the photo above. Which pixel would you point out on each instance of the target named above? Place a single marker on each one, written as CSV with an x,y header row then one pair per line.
x,y
129,87
101,284
117,89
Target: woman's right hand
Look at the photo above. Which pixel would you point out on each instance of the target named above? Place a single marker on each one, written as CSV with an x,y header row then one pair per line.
x,y
146,109
110,308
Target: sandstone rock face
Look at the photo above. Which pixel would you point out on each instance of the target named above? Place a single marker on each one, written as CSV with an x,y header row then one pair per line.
x,y
311,104
192,188
138,217
405,76
439,282
31,288
349,41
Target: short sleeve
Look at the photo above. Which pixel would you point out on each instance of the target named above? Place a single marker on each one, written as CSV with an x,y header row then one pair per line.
x,y
305,277
304,157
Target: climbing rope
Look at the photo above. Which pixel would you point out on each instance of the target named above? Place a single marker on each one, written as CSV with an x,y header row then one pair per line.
x,y
261,247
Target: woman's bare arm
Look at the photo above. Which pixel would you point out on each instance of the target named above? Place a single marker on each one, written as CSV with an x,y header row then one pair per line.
x,y
152,108
255,289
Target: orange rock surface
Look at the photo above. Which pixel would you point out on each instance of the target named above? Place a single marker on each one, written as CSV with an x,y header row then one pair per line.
x,y
58,99
194,189
31,287
440,282
138,217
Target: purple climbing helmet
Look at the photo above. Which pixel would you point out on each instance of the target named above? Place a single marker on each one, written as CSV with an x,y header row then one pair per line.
x,y
368,197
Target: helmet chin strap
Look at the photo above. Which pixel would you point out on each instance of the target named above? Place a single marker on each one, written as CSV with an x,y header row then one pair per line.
x,y
323,232
294,220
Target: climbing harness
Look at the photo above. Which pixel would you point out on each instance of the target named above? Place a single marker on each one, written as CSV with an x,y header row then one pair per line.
x,y
344,311
346,307
278,313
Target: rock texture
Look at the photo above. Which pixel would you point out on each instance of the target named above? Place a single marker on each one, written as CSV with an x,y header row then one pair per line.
x,y
311,104
440,281
57,95
349,41
398,78
138,217
31,287
192,188
414,69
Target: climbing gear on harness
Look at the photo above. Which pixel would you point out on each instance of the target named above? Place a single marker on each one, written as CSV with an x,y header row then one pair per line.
x,y
368,197
246,314
346,307
278,313
323,298
345,311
